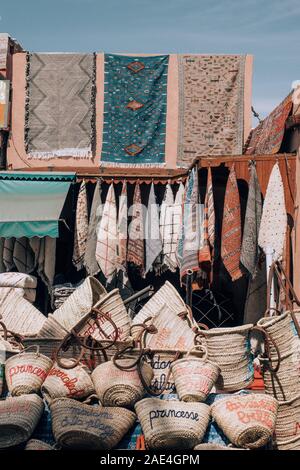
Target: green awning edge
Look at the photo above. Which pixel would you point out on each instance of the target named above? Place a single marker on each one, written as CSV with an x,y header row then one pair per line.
x,y
48,228
37,176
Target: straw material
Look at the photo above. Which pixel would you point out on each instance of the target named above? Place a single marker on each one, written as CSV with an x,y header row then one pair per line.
x,y
290,444
72,383
285,383
52,329
19,315
36,444
171,423
194,377
112,305
229,348
247,420
1,378
288,419
282,330
116,387
79,426
25,372
166,295
79,303
18,418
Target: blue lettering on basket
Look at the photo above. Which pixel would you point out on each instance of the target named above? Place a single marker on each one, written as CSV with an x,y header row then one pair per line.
x,y
88,424
179,414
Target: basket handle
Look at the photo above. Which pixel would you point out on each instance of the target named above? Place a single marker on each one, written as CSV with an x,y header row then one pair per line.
x,y
288,288
267,340
64,346
32,346
201,348
90,398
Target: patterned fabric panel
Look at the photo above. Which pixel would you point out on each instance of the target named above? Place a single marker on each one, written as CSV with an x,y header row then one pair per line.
x,y
135,104
211,101
60,105
267,137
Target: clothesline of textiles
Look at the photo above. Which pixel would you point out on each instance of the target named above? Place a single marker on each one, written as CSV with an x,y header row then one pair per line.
x,y
180,233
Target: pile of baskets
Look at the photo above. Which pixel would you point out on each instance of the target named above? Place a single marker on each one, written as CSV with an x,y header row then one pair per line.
x,y
140,372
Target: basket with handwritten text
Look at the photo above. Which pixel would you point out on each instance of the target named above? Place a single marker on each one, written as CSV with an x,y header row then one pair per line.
x,y
25,372
194,376
288,419
73,383
172,423
247,420
83,426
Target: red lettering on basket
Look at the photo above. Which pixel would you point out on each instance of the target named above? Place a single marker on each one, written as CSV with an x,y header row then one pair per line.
x,y
27,369
68,382
297,428
257,416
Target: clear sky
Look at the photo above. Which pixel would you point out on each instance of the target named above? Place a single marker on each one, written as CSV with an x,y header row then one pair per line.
x,y
268,29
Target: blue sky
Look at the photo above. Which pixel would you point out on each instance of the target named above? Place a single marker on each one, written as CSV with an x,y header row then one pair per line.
x,y
268,29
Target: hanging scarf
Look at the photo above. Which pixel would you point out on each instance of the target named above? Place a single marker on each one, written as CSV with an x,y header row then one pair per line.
x,y
231,228
153,239
106,250
191,237
90,261
81,228
177,223
2,265
250,249
166,226
274,218
8,249
135,253
23,255
207,251
123,227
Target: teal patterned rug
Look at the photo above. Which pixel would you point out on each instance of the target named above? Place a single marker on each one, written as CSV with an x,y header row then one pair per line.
x,y
135,105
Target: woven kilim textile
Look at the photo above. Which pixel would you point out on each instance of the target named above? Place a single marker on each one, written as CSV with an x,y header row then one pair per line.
x,y
211,106
267,137
60,105
134,110
231,228
135,249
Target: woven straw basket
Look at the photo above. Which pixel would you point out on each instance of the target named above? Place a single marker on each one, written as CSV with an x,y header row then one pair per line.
x,y
247,420
79,426
288,419
285,383
79,303
229,348
168,296
290,444
18,418
171,423
282,330
116,387
36,444
194,377
71,383
52,329
113,306
25,372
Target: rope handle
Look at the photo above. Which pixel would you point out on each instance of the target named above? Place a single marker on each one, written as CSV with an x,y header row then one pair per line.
x,y
199,348
4,330
32,346
267,340
64,345
90,398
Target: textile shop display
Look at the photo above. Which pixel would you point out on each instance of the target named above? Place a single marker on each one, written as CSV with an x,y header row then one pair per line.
x,y
60,85
267,137
135,106
211,106
231,228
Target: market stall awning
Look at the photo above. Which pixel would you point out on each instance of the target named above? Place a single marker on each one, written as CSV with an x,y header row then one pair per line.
x,y
31,203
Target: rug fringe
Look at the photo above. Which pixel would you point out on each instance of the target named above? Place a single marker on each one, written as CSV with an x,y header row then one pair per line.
x,y
132,165
68,152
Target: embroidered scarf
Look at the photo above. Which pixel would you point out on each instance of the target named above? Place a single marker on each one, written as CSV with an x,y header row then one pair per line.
x,y
153,241
123,226
207,252
90,262
135,250
81,228
166,226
